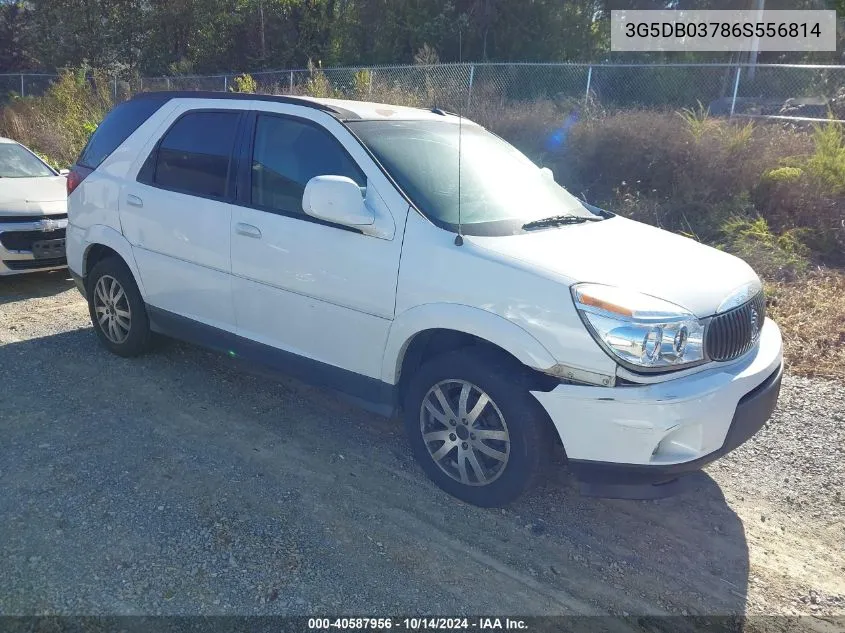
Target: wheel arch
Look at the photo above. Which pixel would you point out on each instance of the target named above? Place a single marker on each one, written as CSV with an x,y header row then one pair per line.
x,y
103,241
419,332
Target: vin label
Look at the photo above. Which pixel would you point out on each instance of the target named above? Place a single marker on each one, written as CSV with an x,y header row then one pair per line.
x,y
706,31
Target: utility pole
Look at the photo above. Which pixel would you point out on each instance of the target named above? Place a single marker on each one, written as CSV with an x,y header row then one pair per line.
x,y
758,6
261,26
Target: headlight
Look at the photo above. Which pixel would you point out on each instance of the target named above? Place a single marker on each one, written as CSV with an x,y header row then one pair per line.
x,y
638,329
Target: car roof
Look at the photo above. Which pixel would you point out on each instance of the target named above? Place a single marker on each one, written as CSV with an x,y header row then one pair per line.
x,y
342,109
3,139
370,111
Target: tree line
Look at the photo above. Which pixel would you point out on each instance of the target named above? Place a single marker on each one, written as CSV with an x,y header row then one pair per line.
x,y
156,37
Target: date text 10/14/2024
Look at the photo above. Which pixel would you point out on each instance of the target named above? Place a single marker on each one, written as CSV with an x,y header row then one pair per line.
x,y
417,624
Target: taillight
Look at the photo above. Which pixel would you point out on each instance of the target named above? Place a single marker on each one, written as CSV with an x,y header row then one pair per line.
x,y
76,175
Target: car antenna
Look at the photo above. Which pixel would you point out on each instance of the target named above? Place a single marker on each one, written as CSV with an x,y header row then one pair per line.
x,y
459,238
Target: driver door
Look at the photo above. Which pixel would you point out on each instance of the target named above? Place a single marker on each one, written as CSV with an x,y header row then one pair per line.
x,y
319,296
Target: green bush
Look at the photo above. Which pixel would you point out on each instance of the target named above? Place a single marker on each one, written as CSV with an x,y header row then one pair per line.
x,y
826,166
363,84
244,83
787,175
777,257
317,84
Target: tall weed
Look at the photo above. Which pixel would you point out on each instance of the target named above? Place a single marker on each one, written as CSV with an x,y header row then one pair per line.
x,y
697,120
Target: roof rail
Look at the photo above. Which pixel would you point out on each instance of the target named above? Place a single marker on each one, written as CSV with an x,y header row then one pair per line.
x,y
245,96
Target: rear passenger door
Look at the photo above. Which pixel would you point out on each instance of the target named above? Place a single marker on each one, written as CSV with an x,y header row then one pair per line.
x,y
323,292
177,216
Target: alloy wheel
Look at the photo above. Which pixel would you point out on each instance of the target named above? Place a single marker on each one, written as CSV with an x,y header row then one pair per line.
x,y
111,305
465,432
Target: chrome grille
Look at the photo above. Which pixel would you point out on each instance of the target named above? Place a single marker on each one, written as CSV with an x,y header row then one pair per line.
x,y
732,333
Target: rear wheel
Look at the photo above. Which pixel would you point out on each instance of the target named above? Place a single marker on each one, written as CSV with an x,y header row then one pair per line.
x,y
117,309
474,427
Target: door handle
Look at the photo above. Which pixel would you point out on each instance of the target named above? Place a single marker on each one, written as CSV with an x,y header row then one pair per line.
x,y
248,230
134,201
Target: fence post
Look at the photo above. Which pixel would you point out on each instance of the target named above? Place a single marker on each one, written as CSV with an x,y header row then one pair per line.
x,y
589,81
115,89
370,83
291,82
225,83
22,92
469,90
736,89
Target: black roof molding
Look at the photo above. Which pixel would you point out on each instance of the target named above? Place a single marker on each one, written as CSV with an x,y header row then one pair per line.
x,y
166,95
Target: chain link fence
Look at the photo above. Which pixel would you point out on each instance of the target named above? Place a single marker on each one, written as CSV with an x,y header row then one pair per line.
x,y
765,90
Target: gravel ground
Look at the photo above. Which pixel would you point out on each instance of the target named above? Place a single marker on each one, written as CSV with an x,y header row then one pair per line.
x,y
179,483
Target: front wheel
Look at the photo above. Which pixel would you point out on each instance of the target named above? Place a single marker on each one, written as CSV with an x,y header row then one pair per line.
x,y
474,428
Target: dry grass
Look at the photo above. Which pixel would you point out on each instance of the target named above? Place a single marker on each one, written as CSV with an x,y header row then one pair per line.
x,y
58,124
811,314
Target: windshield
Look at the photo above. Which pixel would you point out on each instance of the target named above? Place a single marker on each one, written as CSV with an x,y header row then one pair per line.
x,y
17,162
501,189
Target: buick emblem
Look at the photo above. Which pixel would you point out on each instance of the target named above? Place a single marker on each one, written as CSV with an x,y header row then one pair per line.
x,y
48,225
754,320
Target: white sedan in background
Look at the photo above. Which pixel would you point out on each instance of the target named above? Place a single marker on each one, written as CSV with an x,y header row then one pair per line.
x,y
33,212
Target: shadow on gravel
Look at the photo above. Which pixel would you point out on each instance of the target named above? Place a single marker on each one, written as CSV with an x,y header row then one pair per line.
x,y
175,484
689,550
31,285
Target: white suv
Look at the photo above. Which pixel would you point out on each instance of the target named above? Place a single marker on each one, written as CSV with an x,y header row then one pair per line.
x,y
340,241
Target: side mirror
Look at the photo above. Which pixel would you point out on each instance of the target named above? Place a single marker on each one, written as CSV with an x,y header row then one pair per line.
x,y
336,199
64,172
548,173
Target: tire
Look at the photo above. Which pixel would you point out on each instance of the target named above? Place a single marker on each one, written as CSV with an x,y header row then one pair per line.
x,y
125,328
503,470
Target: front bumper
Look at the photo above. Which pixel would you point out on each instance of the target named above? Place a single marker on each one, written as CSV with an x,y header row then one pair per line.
x,y
32,244
631,441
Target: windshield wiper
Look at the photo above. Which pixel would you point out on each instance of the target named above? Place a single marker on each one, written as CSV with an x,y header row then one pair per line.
x,y
558,220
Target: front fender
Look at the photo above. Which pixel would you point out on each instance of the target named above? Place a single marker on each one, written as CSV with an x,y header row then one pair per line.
x,y
107,236
461,318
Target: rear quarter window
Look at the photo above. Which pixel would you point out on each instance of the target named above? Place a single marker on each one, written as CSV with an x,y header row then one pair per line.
x,y
118,125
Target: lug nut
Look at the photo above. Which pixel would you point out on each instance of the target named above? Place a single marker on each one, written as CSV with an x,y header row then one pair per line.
x,y
464,445
453,437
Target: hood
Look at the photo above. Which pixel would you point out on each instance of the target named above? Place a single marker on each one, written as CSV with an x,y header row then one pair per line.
x,y
628,254
46,195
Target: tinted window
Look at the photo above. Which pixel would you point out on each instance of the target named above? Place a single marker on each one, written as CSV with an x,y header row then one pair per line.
x,y
195,154
116,128
287,154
